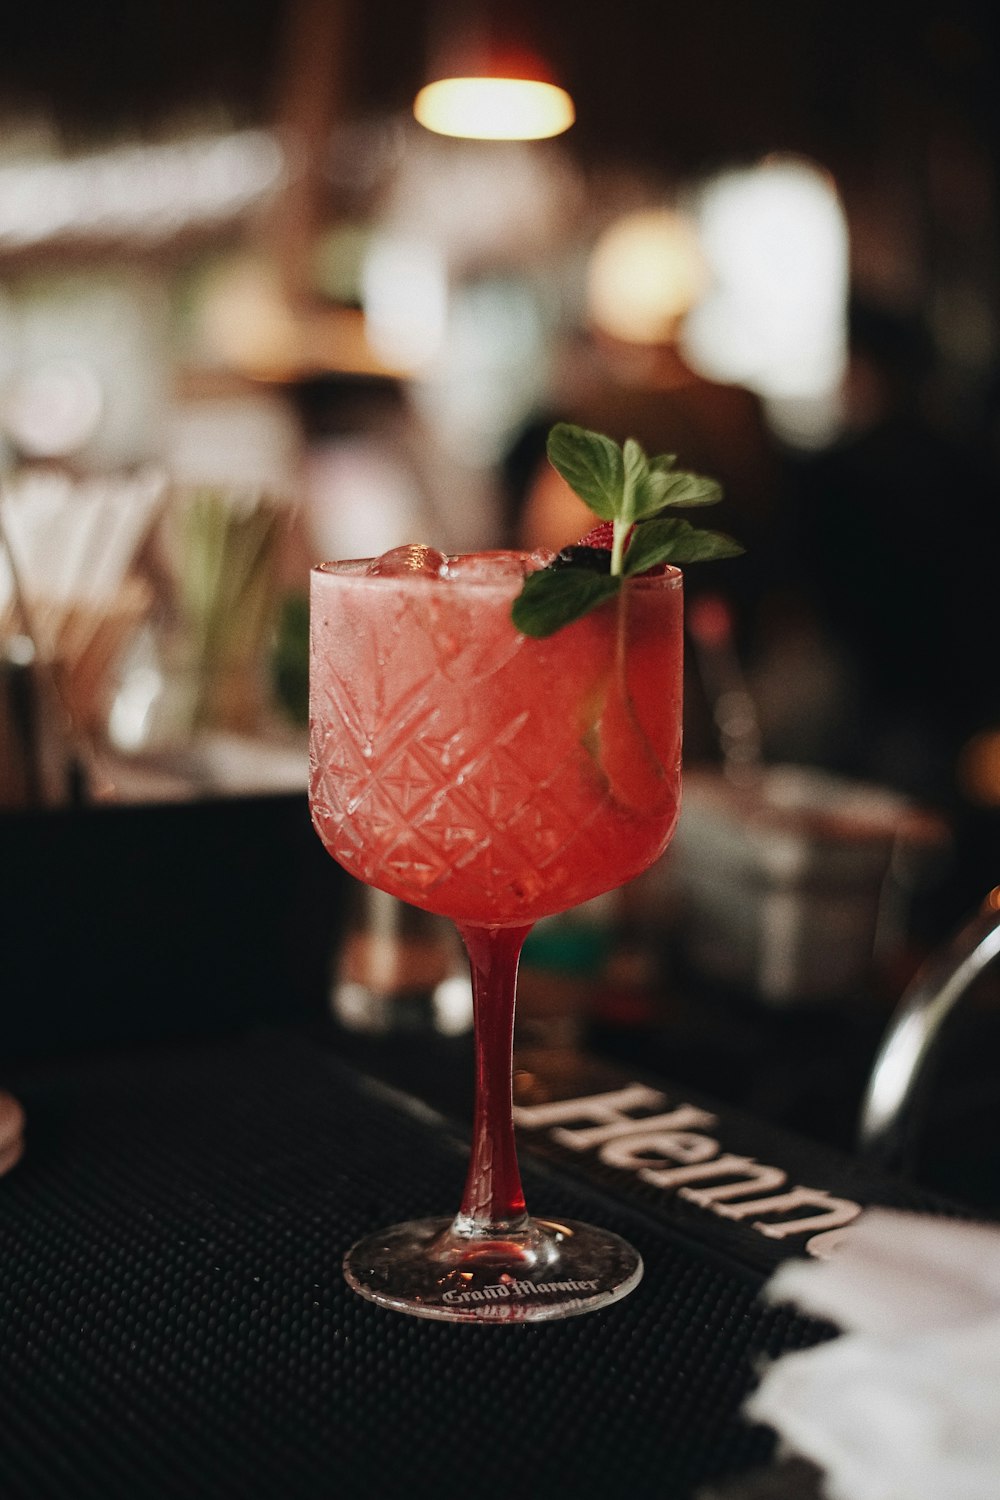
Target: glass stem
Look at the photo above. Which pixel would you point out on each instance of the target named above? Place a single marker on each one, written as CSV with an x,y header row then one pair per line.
x,y
493,1201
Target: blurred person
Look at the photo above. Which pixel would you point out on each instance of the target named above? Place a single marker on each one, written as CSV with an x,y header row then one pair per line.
x,y
894,536
896,529
650,392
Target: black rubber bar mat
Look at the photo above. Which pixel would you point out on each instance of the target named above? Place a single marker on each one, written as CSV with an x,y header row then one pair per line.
x,y
175,1323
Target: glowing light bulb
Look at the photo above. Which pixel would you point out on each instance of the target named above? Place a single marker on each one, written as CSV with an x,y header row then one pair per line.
x,y
494,109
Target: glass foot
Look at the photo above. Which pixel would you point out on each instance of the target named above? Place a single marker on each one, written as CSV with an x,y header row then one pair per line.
x,y
432,1269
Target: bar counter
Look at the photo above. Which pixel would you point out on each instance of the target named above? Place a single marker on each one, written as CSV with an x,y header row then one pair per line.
x,y
176,1321
202,1146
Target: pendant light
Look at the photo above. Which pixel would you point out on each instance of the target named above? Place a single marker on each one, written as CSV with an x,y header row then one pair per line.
x,y
489,80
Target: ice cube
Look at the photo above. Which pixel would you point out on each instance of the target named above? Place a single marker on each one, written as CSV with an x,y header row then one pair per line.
x,y
490,567
413,560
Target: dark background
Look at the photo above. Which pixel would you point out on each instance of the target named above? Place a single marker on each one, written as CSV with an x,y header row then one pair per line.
x,y
677,85
901,104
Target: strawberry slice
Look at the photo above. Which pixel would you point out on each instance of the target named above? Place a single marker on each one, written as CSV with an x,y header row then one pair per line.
x,y
602,535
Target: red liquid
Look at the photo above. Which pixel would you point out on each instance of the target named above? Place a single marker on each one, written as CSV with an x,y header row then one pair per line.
x,y
480,774
493,1193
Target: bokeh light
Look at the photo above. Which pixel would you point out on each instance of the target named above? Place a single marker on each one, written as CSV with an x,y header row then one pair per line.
x,y
645,272
494,109
775,239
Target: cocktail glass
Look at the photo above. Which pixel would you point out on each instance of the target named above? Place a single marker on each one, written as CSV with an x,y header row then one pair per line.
x,y
495,779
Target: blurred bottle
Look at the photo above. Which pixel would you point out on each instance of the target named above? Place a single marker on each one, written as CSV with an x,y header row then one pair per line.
x,y
400,969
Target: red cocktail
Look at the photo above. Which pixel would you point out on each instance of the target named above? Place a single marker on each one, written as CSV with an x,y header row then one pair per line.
x,y
495,779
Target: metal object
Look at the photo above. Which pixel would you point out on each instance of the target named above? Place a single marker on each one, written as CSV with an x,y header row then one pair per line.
x,y
400,970
902,1070
793,886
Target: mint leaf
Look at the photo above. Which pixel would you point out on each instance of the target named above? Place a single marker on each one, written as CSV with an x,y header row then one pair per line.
x,y
663,486
552,598
683,488
673,540
653,492
636,468
592,465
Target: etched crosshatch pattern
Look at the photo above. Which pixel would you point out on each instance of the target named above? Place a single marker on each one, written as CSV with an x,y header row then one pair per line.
x,y
461,767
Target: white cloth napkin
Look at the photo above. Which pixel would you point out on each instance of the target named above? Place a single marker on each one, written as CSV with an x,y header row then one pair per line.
x,y
905,1403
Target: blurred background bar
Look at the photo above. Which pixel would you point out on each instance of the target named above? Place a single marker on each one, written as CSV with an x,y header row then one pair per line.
x,y
253,314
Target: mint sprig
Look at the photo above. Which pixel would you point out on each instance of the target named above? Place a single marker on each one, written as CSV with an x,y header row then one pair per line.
x,y
548,601
621,485
672,540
